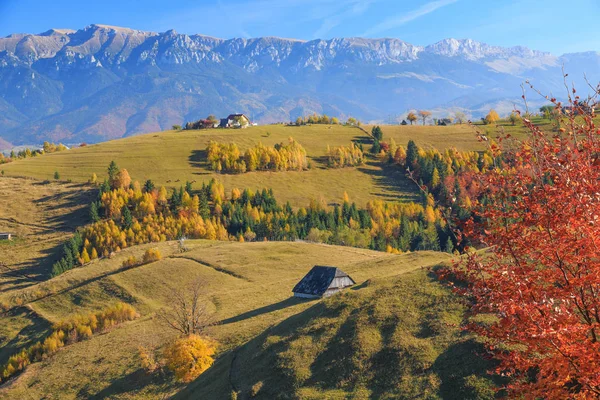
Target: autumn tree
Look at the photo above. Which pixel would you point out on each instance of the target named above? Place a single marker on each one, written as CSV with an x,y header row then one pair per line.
x,y
411,117
121,179
212,120
189,356
424,115
513,118
460,117
540,280
492,117
187,313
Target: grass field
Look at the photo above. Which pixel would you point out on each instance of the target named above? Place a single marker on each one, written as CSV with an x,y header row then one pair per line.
x,y
250,291
301,346
171,158
41,216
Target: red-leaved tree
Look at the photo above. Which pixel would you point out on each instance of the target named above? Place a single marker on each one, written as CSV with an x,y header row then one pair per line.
x,y
539,281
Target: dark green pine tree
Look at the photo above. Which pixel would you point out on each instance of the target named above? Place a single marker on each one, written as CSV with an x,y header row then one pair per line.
x,y
412,154
376,148
148,186
126,218
104,188
377,133
94,212
188,187
204,209
113,169
449,246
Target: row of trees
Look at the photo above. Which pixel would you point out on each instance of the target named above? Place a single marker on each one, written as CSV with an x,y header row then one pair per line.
x,y
228,158
27,152
317,119
345,156
78,328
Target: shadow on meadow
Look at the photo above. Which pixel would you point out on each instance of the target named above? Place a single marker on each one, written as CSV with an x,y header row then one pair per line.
x,y
393,340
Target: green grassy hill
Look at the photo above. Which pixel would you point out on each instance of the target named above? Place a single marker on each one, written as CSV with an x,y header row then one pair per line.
x,y
396,333
172,158
248,286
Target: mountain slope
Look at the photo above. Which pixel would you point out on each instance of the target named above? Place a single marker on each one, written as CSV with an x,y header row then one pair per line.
x,y
105,82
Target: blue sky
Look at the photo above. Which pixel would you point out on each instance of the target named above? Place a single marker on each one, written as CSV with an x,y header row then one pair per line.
x,y
550,25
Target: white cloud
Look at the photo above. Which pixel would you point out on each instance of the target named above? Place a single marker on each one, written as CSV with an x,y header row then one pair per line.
x,y
401,19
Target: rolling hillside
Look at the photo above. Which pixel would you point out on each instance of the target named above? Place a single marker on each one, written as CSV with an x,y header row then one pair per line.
x,y
172,158
248,285
396,332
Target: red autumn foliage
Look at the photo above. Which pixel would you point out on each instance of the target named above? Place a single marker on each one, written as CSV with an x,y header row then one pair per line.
x,y
540,217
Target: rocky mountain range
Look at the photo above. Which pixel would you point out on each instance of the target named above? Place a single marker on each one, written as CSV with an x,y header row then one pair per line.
x,y
105,82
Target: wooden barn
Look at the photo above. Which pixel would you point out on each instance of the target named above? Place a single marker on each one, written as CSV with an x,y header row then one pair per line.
x,y
322,282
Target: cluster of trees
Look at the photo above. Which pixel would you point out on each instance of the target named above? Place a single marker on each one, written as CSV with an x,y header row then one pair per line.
x,y
413,117
345,156
448,176
210,122
281,157
150,255
136,215
73,253
317,119
26,153
78,328
491,118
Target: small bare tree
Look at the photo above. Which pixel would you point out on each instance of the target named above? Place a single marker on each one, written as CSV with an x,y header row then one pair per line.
x,y
188,313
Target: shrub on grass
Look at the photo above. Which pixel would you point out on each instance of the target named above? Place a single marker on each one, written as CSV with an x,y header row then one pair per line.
x,y
151,255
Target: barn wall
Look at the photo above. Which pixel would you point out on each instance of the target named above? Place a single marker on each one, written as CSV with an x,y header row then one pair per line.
x,y
340,283
306,296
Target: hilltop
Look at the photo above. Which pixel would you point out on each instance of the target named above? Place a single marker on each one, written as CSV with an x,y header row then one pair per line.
x,y
104,82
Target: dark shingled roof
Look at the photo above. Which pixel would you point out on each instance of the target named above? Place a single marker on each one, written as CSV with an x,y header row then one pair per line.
x,y
318,280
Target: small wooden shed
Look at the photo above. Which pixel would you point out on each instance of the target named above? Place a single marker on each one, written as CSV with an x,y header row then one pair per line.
x,y
5,236
322,281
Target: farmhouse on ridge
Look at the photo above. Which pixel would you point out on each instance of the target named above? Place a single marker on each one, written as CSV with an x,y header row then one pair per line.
x,y
322,282
235,121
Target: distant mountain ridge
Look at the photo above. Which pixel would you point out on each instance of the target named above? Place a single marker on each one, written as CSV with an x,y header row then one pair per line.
x,y
104,82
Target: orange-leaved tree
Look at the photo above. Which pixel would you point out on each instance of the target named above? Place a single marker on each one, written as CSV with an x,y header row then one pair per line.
x,y
540,280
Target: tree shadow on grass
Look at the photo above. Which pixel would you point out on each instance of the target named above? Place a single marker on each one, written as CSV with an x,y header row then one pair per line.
x,y
230,364
198,159
289,302
392,179
30,272
462,369
130,383
36,330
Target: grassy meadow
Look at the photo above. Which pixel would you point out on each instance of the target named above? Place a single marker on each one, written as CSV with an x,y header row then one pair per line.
x,y
396,333
41,216
171,158
248,287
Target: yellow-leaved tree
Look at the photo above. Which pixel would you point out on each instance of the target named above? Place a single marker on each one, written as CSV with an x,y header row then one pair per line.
x,y
189,356
492,117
